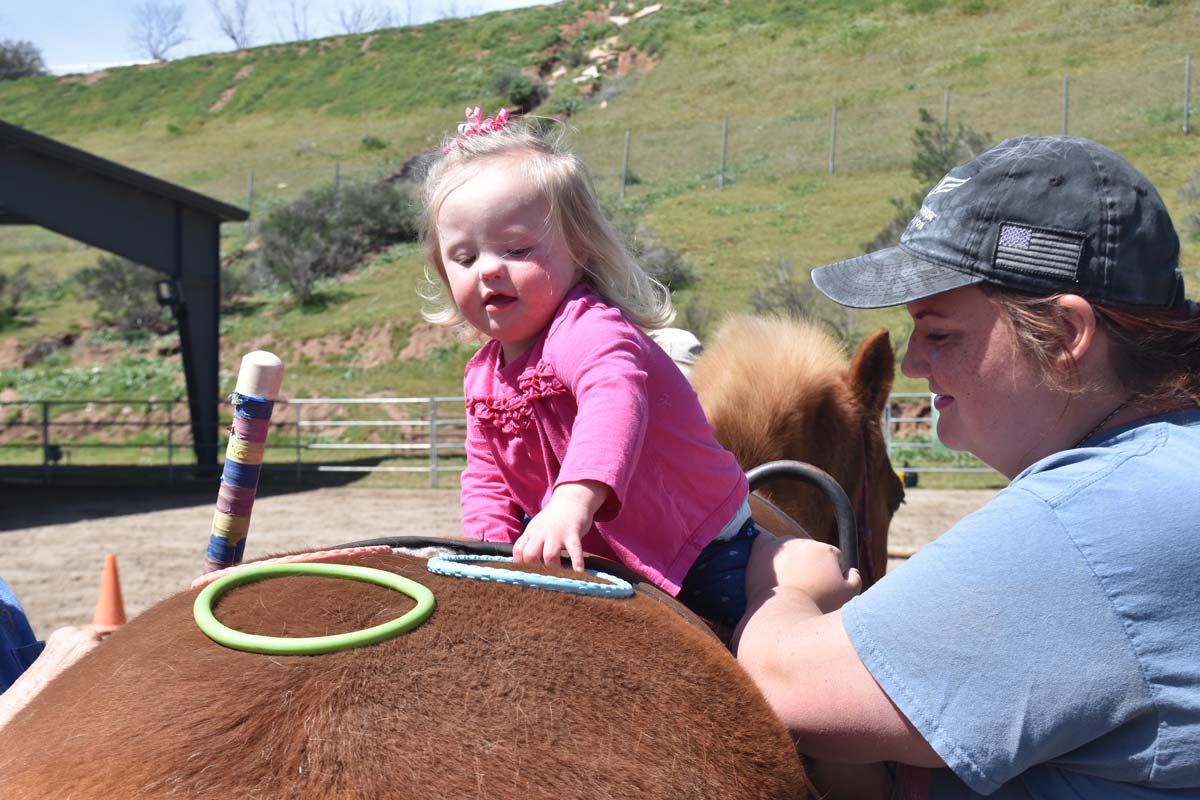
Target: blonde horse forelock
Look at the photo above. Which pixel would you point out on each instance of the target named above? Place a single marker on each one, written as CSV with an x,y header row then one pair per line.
x,y
805,362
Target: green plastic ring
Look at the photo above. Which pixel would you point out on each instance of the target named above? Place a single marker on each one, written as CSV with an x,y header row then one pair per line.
x,y
311,645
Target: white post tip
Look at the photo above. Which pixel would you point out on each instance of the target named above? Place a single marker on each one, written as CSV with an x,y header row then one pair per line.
x,y
260,375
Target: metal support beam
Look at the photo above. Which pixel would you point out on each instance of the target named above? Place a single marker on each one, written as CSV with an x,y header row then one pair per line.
x,y
136,216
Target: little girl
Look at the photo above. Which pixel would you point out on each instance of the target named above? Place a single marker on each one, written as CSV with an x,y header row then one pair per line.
x,y
577,421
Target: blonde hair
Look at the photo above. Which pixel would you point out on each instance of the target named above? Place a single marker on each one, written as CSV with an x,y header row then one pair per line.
x,y
561,178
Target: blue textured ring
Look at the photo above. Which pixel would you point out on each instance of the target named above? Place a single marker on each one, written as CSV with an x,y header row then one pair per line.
x,y
455,567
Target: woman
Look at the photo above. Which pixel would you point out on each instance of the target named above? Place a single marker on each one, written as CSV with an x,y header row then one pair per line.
x,y
26,664
1048,645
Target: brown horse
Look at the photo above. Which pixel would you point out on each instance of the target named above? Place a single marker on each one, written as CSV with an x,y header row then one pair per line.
x,y
779,389
504,692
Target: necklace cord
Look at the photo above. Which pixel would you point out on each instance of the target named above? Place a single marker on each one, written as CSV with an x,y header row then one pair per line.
x,y
1100,425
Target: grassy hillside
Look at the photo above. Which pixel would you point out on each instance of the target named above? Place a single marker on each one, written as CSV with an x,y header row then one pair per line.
x,y
290,115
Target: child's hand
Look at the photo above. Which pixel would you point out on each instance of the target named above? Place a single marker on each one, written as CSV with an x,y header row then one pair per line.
x,y
807,565
561,525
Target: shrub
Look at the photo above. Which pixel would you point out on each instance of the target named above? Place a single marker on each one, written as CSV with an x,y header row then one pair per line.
x,y
370,142
563,107
665,265
518,89
593,32
779,293
327,231
13,291
936,152
503,79
572,57
20,60
14,288
125,296
237,281
698,318
1190,193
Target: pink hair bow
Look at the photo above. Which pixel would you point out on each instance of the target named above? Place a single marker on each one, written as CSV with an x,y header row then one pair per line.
x,y
476,125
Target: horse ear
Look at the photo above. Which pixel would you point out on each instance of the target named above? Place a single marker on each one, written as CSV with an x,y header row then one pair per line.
x,y
872,371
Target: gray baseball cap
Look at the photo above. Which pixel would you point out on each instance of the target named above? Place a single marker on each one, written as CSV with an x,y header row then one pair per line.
x,y
1040,214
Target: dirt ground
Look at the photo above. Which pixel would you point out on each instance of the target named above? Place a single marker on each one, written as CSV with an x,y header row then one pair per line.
x,y
53,541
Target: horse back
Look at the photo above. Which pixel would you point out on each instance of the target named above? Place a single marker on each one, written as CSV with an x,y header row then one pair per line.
x,y
505,691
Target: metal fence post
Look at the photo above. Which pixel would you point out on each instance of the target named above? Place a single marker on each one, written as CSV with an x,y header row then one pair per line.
x,y
945,123
624,167
433,444
46,441
1187,92
249,199
724,145
170,442
299,444
887,426
1066,100
832,138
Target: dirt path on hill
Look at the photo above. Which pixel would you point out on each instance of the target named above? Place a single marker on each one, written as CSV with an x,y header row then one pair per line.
x,y
53,541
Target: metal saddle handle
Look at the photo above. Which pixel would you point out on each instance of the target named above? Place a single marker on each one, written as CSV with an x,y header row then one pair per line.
x,y
847,528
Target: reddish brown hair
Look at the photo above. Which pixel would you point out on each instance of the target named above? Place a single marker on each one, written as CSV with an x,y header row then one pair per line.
x,y
1155,352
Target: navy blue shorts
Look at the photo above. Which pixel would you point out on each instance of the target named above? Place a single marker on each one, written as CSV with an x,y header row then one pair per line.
x,y
715,586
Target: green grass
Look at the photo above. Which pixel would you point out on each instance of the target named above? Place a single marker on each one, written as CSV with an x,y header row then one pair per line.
x,y
341,76
364,104
127,377
959,480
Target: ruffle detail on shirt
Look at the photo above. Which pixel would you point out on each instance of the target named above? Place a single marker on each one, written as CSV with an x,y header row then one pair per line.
x,y
513,414
540,381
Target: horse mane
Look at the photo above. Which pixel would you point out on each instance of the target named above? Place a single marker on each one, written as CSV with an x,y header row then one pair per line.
x,y
783,389
760,375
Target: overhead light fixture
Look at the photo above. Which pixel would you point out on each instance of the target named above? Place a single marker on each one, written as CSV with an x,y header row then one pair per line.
x,y
167,293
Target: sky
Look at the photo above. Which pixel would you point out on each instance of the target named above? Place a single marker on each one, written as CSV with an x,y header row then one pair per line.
x,y
86,35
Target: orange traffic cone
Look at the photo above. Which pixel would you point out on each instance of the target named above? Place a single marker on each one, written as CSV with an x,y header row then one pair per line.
x,y
110,608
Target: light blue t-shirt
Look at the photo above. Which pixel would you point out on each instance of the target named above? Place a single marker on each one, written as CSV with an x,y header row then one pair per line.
x,y
1048,645
18,646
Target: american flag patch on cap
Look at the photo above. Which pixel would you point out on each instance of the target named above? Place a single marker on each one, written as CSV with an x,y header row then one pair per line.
x,y
1038,251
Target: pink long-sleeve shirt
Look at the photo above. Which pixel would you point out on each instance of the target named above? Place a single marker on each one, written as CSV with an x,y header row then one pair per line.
x,y
596,399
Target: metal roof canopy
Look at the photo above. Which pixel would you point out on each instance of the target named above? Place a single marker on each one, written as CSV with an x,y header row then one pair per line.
x,y
164,226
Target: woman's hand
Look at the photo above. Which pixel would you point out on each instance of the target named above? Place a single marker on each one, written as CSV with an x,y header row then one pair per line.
x,y
805,565
63,648
561,525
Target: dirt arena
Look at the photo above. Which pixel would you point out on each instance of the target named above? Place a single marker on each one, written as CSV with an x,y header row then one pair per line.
x,y
53,541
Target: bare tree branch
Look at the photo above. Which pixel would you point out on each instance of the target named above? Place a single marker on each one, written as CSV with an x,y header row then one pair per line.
x,y
452,10
234,21
298,28
158,27
359,18
410,13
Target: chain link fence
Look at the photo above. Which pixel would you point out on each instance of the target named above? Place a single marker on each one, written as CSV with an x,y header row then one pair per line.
x,y
1108,106
423,437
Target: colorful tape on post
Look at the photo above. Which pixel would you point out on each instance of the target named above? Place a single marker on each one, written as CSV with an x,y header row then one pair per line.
x,y
239,480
